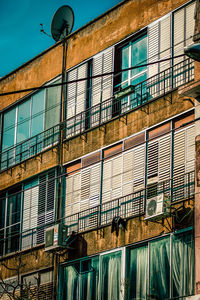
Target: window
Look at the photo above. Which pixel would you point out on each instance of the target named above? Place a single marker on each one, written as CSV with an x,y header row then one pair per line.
x,y
10,216
132,54
37,285
25,214
153,267
23,124
81,280
93,278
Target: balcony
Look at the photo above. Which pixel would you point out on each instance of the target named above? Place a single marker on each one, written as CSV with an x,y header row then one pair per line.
x,y
130,206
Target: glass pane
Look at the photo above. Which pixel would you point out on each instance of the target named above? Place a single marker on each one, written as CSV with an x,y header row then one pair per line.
x,y
140,95
159,269
111,276
13,209
23,121
182,265
37,115
138,273
9,129
71,282
125,62
138,54
52,115
89,279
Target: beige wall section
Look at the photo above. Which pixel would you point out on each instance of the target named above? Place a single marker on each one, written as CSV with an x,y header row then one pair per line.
x,y
107,30
29,168
30,261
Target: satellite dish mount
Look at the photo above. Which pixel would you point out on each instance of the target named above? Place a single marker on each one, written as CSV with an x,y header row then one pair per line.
x,y
62,23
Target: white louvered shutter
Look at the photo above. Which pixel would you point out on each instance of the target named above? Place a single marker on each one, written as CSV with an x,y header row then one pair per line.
x,y
153,48
85,189
128,158
139,168
71,94
30,212
179,153
46,203
102,86
95,182
107,174
164,158
179,29
153,55
184,160
190,149
76,99
81,89
116,181
165,42
190,23
76,193
152,161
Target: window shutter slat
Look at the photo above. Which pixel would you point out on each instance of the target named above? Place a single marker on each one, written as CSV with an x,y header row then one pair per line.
x,y
178,34
153,48
190,22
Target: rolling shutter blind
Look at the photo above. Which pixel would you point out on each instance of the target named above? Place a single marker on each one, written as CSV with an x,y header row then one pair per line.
x,y
30,213
46,203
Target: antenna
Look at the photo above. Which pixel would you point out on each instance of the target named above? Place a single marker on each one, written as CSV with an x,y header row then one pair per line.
x,y
62,22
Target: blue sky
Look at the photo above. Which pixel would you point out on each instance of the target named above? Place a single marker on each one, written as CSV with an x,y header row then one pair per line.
x,y
20,36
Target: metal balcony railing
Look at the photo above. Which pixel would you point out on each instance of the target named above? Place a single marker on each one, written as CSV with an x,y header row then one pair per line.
x,y
29,147
142,93
179,188
101,113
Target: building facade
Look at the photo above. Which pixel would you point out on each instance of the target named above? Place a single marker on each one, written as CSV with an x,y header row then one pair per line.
x,y
98,184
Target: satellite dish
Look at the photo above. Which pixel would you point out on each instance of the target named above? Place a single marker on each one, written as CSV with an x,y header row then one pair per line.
x,y
62,23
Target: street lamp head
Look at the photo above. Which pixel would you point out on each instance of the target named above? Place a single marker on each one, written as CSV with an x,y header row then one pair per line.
x,y
193,51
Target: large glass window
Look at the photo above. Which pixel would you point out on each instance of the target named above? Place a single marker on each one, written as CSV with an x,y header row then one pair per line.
x,y
82,280
162,268
10,216
133,54
24,124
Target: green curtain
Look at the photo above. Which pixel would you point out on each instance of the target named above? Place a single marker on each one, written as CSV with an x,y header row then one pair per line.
x,y
159,268
182,265
138,273
111,276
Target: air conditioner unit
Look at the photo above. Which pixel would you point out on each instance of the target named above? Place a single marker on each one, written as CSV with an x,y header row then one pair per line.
x,y
157,207
55,237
